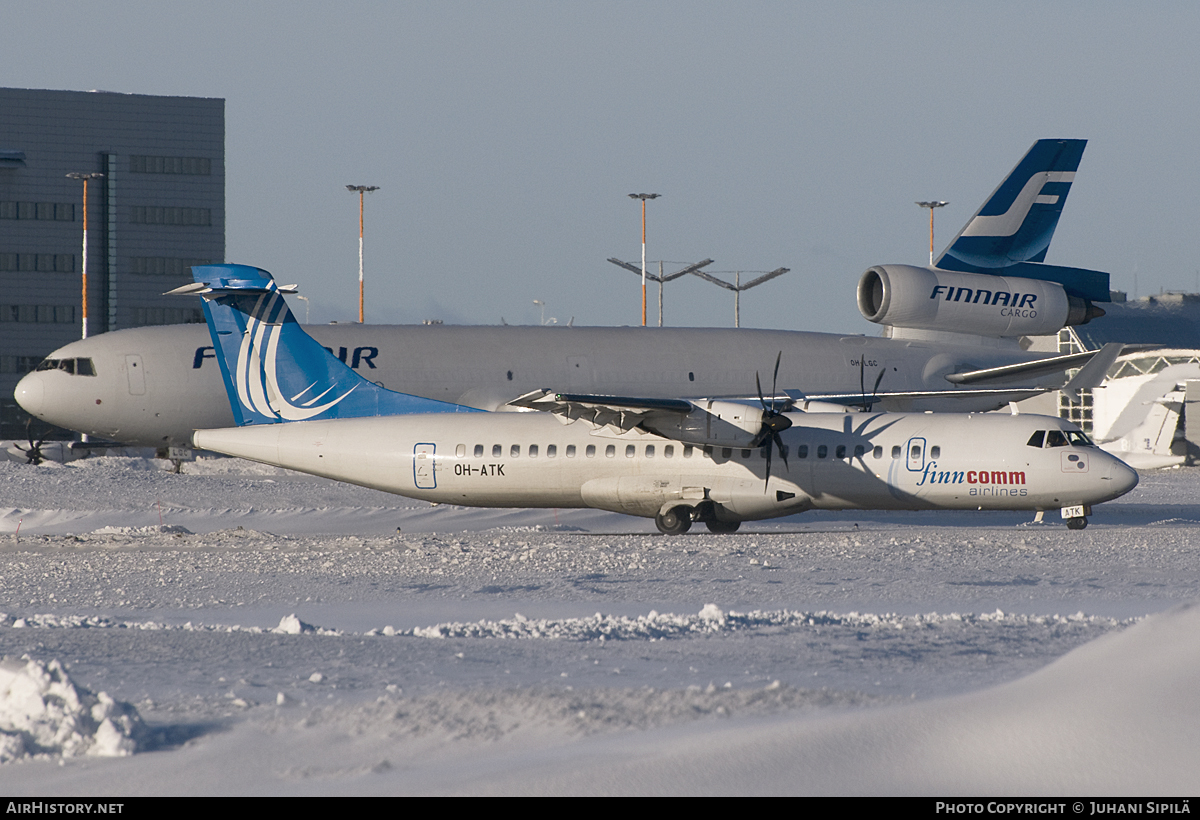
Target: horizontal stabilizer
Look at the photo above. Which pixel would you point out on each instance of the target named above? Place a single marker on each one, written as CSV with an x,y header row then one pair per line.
x,y
1092,285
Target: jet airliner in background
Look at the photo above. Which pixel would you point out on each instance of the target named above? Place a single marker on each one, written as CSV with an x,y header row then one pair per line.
x,y
953,332
677,461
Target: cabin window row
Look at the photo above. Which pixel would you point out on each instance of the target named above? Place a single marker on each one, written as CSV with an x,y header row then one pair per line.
x,y
803,451
570,451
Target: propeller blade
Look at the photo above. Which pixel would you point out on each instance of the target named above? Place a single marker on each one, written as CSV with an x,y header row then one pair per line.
x,y
775,381
774,421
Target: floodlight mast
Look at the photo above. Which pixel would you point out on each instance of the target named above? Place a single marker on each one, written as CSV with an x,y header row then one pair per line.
x,y
643,198
85,177
661,278
931,205
361,190
737,287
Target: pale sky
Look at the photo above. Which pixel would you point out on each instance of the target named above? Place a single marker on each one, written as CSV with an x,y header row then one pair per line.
x,y
505,137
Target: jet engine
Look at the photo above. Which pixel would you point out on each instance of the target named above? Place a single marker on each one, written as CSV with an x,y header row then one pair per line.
x,y
980,304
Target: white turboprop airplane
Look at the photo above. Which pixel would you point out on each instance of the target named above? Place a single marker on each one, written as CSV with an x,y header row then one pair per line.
x,y
673,460
955,329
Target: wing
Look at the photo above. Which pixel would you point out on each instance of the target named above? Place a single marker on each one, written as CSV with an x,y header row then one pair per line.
x,y
620,412
1042,367
703,421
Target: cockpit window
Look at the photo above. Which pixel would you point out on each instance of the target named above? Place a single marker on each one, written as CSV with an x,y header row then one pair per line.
x,y
76,367
1036,439
1056,438
1079,439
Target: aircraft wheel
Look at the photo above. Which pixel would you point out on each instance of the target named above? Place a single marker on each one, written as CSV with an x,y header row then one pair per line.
x,y
722,527
1076,523
675,521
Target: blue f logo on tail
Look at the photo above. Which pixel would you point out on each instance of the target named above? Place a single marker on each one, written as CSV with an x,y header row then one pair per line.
x,y
1011,233
274,371
1018,220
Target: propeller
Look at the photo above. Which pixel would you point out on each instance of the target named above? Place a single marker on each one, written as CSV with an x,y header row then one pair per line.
x,y
862,384
33,453
774,421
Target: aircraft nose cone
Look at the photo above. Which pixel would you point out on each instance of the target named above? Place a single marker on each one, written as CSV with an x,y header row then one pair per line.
x,y
1124,477
31,394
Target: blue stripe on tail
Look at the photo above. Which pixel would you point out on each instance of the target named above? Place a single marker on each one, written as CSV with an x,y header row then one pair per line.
x,y
274,371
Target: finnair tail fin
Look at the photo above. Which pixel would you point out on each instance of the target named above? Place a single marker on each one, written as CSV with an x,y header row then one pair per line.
x,y
1017,221
1010,234
274,371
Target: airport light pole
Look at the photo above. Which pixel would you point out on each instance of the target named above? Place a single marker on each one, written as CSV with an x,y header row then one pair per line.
x,y
361,190
660,278
737,287
85,177
931,205
643,198
305,299
543,321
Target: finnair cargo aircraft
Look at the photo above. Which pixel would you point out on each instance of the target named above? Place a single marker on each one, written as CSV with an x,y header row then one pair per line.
x,y
677,461
954,330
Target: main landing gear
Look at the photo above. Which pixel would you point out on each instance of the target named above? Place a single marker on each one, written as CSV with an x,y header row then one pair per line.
x,y
675,521
678,520
1076,523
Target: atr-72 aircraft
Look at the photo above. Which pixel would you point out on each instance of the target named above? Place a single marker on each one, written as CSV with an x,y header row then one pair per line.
x,y
954,329
673,460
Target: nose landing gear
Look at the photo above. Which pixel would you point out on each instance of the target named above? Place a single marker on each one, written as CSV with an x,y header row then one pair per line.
x,y
1076,517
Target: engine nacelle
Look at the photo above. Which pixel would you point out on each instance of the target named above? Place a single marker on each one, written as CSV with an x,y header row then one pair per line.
x,y
713,423
975,303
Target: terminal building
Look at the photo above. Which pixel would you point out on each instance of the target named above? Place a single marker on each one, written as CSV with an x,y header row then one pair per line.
x,y
158,209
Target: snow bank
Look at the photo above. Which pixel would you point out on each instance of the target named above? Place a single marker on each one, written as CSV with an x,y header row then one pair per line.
x,y
288,625
1114,717
713,620
42,713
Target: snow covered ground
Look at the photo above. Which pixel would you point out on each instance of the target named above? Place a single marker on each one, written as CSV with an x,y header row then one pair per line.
x,y
281,634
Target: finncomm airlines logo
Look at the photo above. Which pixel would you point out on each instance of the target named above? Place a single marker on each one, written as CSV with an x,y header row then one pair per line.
x,y
985,482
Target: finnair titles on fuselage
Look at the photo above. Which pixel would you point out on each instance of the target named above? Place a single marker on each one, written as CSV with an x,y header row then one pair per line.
x,y
947,349
672,460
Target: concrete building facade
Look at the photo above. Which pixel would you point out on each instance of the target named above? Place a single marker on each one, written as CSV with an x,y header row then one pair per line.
x,y
159,208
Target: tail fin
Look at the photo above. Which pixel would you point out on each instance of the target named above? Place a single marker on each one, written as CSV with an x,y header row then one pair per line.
x,y
1017,221
273,370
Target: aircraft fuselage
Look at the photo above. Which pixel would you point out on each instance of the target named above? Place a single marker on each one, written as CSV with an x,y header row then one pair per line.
x,y
835,462
155,386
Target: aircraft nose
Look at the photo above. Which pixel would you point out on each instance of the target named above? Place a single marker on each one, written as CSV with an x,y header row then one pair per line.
x,y
1121,477
31,394
1124,477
